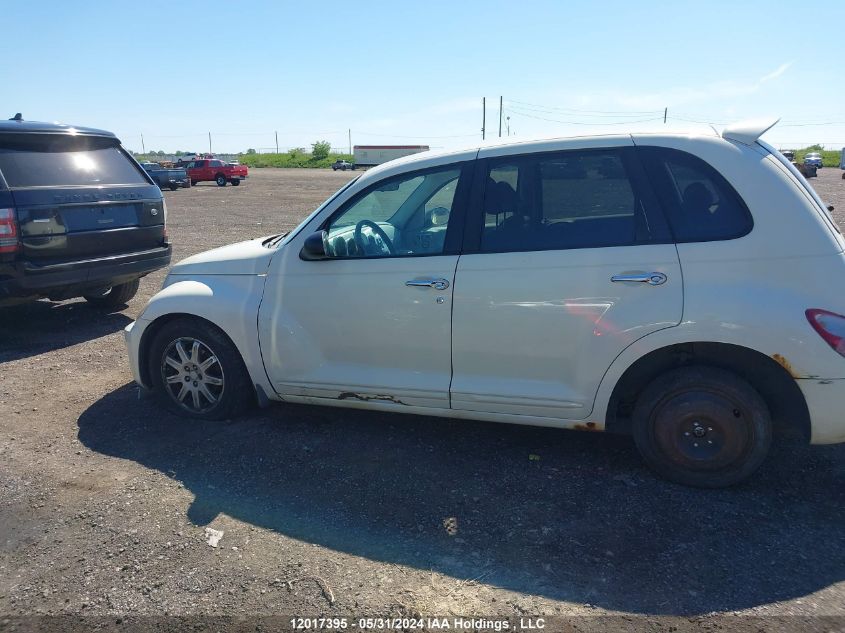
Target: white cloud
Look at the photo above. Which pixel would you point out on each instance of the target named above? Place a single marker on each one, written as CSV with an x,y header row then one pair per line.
x,y
776,73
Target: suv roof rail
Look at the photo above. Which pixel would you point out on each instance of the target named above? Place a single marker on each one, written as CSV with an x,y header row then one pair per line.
x,y
748,131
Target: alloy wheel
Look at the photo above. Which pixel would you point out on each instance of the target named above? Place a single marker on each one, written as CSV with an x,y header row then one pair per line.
x,y
192,374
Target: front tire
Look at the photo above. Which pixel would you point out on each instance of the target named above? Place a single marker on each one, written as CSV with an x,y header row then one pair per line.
x,y
703,427
174,187
116,296
197,371
220,180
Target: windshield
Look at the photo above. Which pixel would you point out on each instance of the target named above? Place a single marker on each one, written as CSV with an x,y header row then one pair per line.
x,y
329,200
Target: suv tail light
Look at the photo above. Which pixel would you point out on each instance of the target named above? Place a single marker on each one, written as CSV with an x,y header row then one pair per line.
x,y
9,238
830,326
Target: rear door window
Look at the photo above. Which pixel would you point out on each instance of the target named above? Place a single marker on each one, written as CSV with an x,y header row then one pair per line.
x,y
58,161
565,200
700,204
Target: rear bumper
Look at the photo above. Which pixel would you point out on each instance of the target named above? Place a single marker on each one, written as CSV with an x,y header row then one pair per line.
x,y
826,403
24,279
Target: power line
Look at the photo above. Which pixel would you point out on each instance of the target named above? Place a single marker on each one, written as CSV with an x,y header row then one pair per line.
x,y
599,123
564,109
411,136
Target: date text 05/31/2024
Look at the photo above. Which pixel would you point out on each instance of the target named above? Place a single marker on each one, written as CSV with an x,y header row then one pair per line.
x,y
422,624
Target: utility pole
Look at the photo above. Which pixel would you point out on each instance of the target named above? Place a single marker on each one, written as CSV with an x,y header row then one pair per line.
x,y
483,116
665,112
350,141
277,142
209,143
500,116
143,148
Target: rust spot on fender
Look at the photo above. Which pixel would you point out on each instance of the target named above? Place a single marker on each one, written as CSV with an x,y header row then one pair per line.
x,y
349,395
781,360
589,426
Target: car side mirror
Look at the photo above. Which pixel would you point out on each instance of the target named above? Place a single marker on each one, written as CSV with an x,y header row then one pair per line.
x,y
314,248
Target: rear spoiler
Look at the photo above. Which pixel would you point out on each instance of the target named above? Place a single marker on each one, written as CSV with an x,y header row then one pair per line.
x,y
748,132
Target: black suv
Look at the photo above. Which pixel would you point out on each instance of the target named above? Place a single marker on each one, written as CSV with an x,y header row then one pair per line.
x,y
78,216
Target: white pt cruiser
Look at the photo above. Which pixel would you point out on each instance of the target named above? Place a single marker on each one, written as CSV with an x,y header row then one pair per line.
x,y
686,289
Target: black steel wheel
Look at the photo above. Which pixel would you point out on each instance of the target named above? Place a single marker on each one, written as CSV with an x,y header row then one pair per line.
x,y
702,426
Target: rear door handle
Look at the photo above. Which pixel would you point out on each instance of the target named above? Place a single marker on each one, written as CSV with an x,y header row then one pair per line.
x,y
437,284
652,279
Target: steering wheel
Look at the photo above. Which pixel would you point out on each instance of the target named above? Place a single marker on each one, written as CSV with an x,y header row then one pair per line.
x,y
381,240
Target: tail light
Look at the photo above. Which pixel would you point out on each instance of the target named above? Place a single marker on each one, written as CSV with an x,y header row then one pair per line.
x,y
830,326
9,237
164,228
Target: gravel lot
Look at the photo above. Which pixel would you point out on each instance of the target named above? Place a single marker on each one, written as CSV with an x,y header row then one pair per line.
x,y
105,499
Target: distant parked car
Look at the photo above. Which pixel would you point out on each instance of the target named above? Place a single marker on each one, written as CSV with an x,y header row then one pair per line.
x,y
78,216
813,159
342,165
164,177
536,283
216,171
789,154
186,158
234,163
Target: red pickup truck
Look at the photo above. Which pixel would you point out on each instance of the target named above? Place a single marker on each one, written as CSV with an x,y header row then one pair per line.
x,y
214,170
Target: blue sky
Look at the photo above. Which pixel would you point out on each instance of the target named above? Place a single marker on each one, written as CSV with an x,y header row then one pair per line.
x,y
415,72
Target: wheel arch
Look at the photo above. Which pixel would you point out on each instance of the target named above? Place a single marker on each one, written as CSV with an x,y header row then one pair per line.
x,y
150,333
224,301
788,408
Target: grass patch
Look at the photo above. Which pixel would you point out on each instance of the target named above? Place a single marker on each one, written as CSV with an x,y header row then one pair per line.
x,y
291,159
830,157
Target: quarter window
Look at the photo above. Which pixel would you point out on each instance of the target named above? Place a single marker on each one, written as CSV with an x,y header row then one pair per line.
x,y
575,199
700,204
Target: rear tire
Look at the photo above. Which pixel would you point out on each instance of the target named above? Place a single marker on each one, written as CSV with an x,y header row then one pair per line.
x,y
703,427
174,187
116,297
194,183
215,385
236,183
220,180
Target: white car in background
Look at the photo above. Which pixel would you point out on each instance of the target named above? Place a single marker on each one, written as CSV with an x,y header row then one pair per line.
x,y
686,289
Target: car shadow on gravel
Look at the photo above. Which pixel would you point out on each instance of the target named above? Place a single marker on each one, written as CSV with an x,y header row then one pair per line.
x,y
41,326
565,515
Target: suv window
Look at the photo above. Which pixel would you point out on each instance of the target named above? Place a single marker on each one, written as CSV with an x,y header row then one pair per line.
x,y
574,199
403,216
701,205
56,161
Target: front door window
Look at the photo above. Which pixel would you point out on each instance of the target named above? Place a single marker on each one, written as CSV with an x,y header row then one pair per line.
x,y
400,217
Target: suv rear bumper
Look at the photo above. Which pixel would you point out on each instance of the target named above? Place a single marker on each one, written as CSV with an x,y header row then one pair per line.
x,y
69,279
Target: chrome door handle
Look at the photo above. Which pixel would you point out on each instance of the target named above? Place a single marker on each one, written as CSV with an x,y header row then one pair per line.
x,y
652,279
437,284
